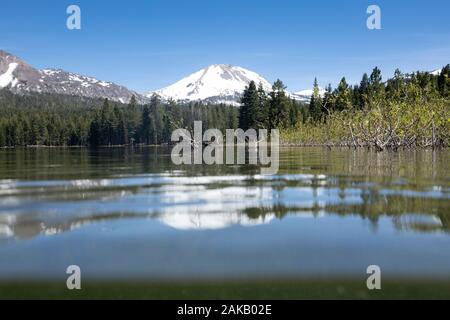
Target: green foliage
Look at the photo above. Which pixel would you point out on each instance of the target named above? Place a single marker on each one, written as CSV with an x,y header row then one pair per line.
x,y
343,96
444,81
279,107
410,110
315,105
395,124
363,92
250,113
273,110
57,120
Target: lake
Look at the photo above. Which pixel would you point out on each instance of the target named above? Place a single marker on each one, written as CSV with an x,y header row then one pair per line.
x,y
129,213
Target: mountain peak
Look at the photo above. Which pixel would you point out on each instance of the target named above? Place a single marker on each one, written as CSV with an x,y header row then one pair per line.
x,y
4,54
217,83
221,65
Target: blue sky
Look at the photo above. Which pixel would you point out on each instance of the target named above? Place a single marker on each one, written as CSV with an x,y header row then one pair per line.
x,y
147,44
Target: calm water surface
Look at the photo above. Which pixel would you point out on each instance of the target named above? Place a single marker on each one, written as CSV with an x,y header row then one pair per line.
x,y
121,213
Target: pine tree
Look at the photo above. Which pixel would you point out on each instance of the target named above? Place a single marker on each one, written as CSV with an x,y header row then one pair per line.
x,y
444,81
122,130
174,120
328,99
133,120
2,134
167,129
315,104
364,87
375,77
95,133
232,118
294,113
343,96
279,106
146,127
395,86
250,110
263,107
106,124
376,86
156,120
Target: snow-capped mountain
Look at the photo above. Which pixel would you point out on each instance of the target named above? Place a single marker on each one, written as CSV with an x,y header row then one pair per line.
x,y
19,77
220,83
436,72
305,95
217,83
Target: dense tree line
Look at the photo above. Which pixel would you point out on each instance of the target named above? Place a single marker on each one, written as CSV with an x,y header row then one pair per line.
x,y
269,110
57,120
276,110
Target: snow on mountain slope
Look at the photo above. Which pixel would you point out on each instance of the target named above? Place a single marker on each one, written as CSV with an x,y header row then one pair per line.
x,y
436,72
305,95
19,77
220,83
8,77
217,83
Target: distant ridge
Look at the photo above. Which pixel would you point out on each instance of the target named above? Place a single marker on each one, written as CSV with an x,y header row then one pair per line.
x,y
19,77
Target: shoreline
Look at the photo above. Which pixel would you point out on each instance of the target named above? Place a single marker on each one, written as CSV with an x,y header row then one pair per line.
x,y
282,145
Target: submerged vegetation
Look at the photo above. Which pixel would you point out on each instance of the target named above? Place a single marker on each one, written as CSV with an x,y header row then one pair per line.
x,y
409,110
